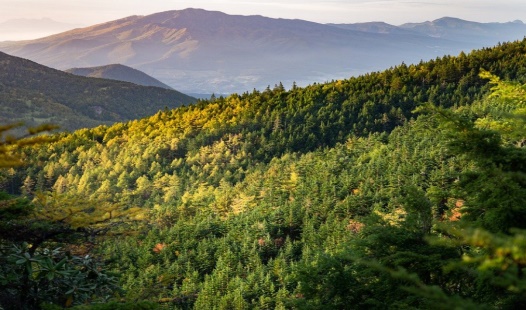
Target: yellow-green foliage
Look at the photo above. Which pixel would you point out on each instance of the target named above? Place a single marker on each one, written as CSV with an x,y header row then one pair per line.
x,y
505,110
76,212
10,145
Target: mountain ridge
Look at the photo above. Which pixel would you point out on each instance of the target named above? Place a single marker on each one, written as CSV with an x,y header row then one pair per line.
x,y
199,51
35,94
119,72
453,28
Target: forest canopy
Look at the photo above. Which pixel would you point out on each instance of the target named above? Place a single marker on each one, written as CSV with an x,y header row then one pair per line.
x,y
397,189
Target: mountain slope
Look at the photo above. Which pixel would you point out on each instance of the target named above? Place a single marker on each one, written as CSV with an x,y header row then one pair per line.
x,y
34,94
120,73
204,52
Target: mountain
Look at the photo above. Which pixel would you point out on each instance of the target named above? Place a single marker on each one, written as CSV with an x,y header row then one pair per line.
x,y
198,51
35,94
449,28
478,33
120,73
375,27
25,28
202,51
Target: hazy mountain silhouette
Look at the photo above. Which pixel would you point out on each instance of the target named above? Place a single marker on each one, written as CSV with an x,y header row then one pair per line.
x,y
449,28
375,27
120,73
26,28
198,51
461,30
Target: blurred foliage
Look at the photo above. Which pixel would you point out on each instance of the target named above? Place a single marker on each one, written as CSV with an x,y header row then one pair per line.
x,y
32,271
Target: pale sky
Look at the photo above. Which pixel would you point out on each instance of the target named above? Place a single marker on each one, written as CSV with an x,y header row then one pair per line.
x,y
89,12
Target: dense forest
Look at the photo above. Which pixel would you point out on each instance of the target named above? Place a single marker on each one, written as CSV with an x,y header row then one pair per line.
x,y
401,189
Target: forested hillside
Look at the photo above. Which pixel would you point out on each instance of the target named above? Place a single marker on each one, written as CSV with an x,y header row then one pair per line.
x,y
398,189
35,94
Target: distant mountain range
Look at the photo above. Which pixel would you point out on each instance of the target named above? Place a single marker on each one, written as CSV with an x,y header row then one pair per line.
x,y
198,51
120,73
375,27
35,94
454,29
26,28
476,33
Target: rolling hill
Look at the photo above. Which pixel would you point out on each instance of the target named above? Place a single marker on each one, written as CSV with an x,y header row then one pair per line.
x,y
198,51
120,73
35,94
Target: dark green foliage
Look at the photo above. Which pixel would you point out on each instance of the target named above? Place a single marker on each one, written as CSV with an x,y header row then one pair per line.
x,y
34,270
143,305
30,278
18,223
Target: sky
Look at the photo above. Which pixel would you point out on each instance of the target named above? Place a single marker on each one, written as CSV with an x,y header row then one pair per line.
x,y
89,12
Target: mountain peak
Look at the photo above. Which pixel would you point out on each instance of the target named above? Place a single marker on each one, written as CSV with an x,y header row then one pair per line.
x,y
119,72
449,19
452,22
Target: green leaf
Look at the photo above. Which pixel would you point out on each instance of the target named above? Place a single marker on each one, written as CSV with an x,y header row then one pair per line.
x,y
21,261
